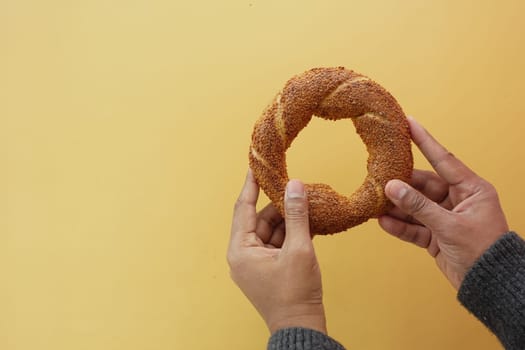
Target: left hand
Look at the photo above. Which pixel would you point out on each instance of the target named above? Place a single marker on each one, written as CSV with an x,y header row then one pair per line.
x,y
453,213
273,261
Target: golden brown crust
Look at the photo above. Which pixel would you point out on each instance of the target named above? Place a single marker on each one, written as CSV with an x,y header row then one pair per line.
x,y
334,93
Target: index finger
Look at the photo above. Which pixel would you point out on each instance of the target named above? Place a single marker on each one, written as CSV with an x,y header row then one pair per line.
x,y
245,212
446,165
430,184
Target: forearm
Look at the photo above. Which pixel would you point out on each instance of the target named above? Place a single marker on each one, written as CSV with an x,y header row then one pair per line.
x,y
494,290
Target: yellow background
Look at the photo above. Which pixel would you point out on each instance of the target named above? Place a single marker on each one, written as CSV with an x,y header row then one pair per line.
x,y
125,128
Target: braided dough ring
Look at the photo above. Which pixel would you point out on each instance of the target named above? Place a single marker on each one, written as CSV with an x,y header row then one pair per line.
x,y
333,93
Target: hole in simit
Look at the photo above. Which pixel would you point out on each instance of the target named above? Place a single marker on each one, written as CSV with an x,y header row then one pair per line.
x,y
329,152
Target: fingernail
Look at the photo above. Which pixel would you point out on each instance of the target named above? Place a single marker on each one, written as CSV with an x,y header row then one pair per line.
x,y
396,189
295,189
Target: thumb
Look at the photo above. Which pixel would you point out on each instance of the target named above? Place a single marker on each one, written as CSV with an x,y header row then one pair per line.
x,y
296,216
414,203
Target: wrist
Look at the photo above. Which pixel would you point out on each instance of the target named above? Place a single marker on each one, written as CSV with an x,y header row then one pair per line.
x,y
310,316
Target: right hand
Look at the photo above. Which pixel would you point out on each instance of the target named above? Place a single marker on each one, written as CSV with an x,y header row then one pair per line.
x,y
453,213
273,262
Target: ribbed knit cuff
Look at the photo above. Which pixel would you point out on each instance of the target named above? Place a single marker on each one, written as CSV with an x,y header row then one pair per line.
x,y
302,339
494,290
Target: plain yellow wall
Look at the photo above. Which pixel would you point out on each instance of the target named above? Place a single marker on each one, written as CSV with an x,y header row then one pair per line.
x,y
125,128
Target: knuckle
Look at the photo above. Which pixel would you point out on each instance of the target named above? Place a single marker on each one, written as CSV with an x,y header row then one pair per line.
x,y
409,234
476,184
433,250
238,203
406,235
296,211
303,251
447,155
417,204
489,188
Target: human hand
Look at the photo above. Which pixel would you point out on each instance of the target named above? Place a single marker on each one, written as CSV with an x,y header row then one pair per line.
x,y
454,214
273,261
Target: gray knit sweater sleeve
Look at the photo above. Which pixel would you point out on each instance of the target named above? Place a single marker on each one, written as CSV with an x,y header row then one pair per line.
x,y
494,290
302,339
